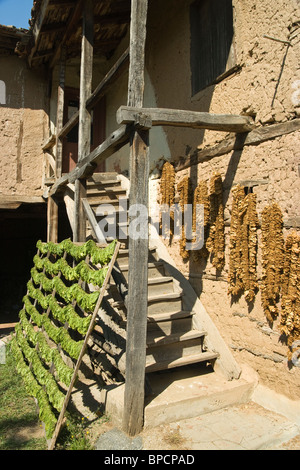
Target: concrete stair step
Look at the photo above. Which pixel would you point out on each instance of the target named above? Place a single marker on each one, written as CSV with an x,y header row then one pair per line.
x,y
155,269
100,191
153,299
103,178
154,366
123,257
156,339
169,316
107,198
191,391
177,325
160,285
163,320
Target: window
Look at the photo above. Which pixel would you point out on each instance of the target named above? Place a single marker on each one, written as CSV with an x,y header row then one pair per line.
x,y
2,92
211,42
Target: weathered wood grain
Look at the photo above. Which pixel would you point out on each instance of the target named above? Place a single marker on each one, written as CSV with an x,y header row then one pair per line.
x,y
186,118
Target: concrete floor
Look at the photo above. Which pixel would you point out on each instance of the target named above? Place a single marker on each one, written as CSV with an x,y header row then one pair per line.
x,y
200,412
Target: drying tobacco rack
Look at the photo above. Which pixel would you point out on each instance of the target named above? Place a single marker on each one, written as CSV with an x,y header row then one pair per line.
x,y
67,285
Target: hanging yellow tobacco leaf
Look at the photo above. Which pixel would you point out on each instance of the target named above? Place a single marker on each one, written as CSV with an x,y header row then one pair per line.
x,y
272,259
185,197
167,191
216,239
290,301
201,198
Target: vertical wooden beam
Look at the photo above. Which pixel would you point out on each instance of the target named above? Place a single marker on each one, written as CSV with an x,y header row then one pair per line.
x,y
52,209
85,121
137,306
60,111
52,220
136,81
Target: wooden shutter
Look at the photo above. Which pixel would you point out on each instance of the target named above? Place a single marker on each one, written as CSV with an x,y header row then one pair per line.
x,y
211,39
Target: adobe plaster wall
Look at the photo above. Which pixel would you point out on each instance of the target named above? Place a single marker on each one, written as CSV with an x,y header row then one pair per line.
x,y
266,86
23,124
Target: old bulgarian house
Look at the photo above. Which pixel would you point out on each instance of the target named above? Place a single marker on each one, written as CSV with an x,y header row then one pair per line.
x,y
109,104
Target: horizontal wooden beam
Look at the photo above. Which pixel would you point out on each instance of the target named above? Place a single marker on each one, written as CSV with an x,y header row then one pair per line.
x,y
185,118
254,137
19,199
87,166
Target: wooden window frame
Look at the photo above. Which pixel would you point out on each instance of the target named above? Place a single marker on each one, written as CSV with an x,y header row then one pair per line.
x,y
197,86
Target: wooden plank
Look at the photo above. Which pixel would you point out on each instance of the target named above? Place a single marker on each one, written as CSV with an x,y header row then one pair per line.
x,y
51,161
114,142
85,120
254,137
83,350
99,91
49,143
37,28
86,73
109,78
137,52
185,118
137,299
52,220
69,125
19,199
69,28
137,306
60,112
93,221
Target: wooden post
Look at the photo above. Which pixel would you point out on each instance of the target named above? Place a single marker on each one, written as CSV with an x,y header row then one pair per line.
x,y
52,220
60,112
84,136
137,306
52,210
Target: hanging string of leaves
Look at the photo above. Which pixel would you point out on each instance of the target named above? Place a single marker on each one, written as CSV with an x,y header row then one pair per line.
x,y
50,327
249,246
167,191
201,198
46,412
290,293
243,245
235,277
185,197
79,252
272,259
216,239
167,184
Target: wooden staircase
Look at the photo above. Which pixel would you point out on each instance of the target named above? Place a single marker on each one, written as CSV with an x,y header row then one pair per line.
x,y
174,338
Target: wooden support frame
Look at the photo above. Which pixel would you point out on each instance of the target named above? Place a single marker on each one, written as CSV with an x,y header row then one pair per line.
x,y
185,118
52,210
60,111
114,142
137,305
85,120
52,220
83,349
99,91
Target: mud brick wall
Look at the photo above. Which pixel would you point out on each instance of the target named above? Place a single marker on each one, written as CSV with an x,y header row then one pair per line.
x,y
23,124
266,86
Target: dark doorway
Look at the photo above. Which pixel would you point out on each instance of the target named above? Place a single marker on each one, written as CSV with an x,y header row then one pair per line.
x,y
70,142
20,231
